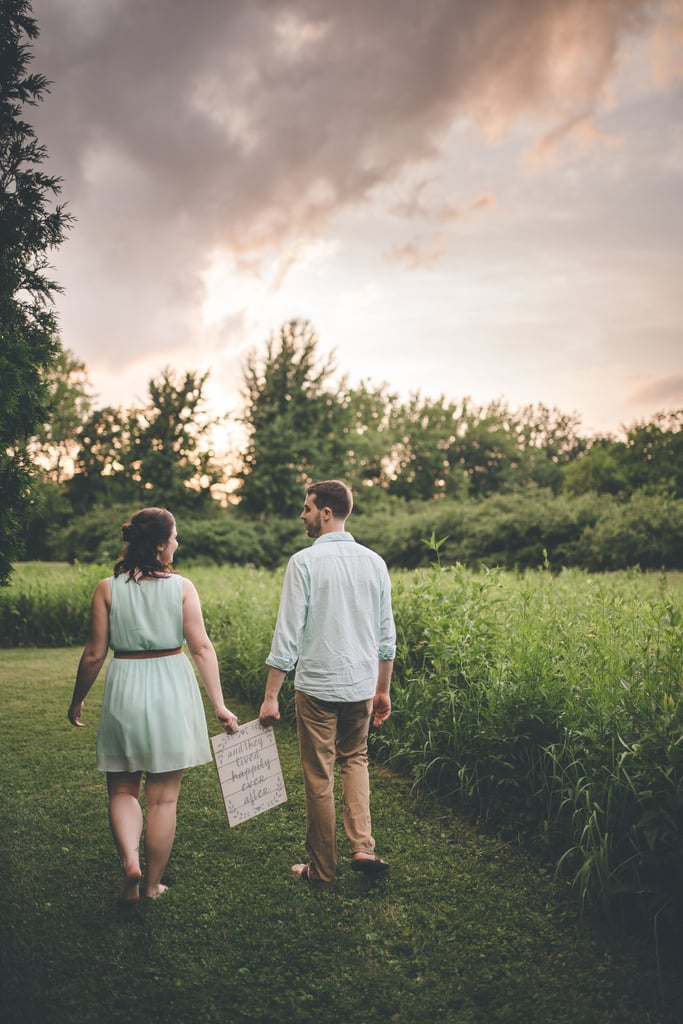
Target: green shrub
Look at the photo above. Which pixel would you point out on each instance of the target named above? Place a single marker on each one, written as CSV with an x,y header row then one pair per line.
x,y
224,538
521,529
91,538
647,531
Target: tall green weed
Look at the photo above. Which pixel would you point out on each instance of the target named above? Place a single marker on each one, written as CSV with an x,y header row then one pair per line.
x,y
552,706
47,604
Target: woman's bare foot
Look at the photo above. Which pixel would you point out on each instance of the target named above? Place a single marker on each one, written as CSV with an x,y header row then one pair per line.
x,y
130,890
155,891
300,869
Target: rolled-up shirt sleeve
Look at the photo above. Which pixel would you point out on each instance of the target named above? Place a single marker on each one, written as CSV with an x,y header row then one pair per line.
x,y
387,627
291,618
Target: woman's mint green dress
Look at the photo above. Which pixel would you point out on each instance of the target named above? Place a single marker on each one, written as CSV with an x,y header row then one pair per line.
x,y
152,715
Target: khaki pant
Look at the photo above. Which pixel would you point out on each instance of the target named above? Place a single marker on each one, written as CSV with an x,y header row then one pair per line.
x,y
332,731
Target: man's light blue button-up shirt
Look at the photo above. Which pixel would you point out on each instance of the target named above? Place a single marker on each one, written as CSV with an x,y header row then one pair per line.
x,y
335,620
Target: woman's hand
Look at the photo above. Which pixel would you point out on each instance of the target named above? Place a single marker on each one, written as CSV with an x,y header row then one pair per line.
x,y
74,714
229,721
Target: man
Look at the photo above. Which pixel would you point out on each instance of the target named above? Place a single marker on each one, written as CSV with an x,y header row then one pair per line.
x,y
335,626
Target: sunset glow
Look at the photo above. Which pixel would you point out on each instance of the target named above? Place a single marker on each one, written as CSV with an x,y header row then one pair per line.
x,y
464,199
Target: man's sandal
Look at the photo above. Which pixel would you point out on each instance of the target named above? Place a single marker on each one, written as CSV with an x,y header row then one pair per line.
x,y
369,865
305,876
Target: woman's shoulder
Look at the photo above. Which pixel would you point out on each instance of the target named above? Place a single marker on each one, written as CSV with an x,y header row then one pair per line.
x,y
176,583
103,591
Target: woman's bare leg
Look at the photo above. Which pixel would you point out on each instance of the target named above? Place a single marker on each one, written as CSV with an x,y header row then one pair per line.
x,y
161,798
125,820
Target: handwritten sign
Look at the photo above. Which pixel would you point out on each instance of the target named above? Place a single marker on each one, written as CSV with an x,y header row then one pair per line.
x,y
249,771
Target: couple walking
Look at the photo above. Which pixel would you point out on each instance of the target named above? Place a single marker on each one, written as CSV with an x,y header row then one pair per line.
x,y
334,627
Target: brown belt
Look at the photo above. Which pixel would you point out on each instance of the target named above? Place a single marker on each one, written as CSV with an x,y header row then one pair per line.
x,y
149,654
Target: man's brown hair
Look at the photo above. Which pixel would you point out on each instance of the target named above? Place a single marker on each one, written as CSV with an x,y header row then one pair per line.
x,y
332,494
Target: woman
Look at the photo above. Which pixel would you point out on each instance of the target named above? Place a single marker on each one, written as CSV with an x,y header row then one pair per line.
x,y
152,717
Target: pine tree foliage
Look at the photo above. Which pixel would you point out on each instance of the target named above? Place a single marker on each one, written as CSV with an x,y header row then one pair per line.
x,y
29,229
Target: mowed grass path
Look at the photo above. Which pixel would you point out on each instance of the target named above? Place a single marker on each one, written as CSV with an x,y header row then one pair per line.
x,y
465,929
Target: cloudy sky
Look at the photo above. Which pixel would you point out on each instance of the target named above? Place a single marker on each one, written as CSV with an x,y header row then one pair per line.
x,y
469,198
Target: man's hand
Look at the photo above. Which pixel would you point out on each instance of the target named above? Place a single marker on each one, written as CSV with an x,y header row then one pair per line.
x,y
270,711
381,705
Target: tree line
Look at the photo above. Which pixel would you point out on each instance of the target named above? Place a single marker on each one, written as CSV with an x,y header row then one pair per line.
x,y
495,486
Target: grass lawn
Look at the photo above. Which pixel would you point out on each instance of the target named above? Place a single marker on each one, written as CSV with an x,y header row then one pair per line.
x,y
465,929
